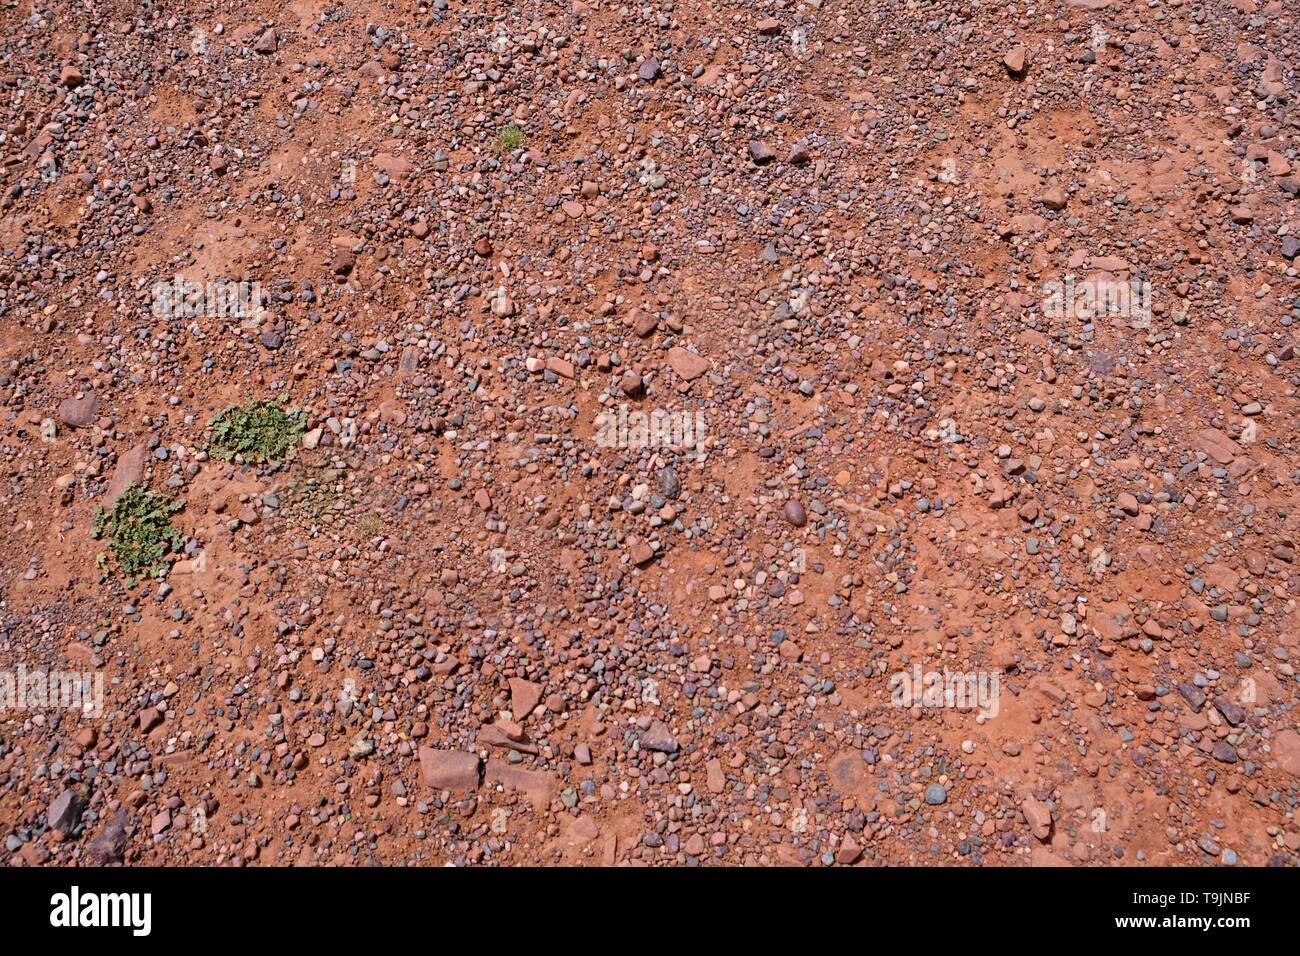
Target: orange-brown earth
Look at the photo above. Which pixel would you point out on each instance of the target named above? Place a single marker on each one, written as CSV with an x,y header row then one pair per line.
x,y
457,626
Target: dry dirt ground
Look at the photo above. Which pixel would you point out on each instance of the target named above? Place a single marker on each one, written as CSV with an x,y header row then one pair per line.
x,y
971,330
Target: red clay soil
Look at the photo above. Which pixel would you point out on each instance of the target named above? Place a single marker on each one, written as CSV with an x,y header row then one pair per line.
x,y
779,433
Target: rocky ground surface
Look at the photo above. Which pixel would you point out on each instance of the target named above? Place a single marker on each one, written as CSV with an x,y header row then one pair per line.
x,y
458,627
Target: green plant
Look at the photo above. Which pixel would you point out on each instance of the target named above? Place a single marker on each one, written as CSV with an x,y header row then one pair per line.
x,y
138,526
258,431
510,137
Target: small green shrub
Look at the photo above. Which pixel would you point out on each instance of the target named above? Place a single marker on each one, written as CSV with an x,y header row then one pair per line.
x,y
138,526
510,137
259,431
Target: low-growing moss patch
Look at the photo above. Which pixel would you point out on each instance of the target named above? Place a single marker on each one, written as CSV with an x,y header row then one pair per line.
x,y
139,531
257,431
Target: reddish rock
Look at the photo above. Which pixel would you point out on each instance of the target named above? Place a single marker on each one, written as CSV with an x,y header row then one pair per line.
x,y
129,471
1054,197
449,769
1286,750
639,551
760,152
659,738
1038,817
524,697
149,718
688,365
267,43
538,785
80,410
794,513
